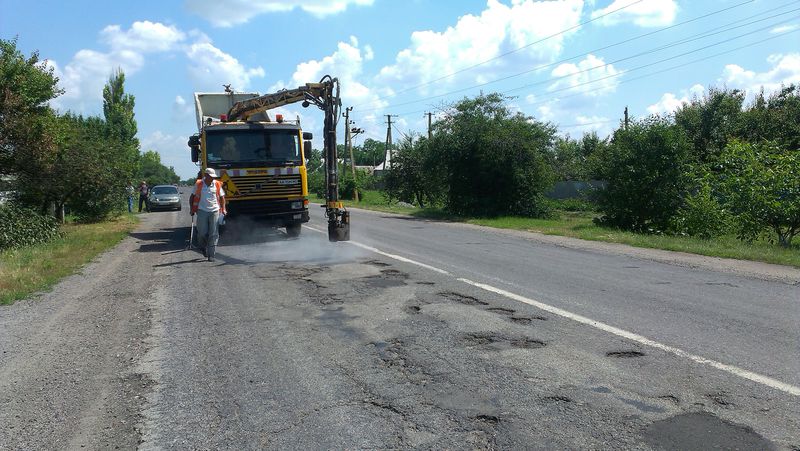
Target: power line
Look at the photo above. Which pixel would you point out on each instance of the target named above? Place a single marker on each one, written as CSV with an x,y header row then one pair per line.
x,y
502,55
656,62
659,72
697,36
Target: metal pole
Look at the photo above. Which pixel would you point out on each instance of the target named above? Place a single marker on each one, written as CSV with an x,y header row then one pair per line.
x,y
349,143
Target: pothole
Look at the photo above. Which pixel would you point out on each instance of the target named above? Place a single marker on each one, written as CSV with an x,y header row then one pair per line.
x,y
394,273
501,310
382,282
494,341
413,309
461,298
488,419
377,263
671,398
625,354
720,399
557,398
703,430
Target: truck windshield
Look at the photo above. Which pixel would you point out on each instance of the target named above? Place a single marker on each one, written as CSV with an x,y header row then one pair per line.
x,y
248,147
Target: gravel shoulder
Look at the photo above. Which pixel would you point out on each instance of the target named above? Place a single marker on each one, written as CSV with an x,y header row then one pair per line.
x,y
68,357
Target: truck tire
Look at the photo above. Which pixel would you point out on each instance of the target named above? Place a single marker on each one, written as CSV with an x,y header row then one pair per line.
x,y
293,230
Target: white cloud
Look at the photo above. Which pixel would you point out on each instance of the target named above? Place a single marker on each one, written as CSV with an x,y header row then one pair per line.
x,y
583,124
784,28
346,63
181,109
591,76
785,70
85,75
233,12
475,39
143,37
669,102
210,68
649,13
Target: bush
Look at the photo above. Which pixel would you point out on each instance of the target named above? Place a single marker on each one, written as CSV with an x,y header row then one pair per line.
x,y
347,184
702,215
24,227
646,167
316,183
491,160
762,188
571,205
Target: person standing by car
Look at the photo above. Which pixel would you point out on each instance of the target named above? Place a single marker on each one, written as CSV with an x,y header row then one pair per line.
x,y
130,190
208,202
143,189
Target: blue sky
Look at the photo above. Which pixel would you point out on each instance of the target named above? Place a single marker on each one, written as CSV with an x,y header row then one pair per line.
x,y
577,63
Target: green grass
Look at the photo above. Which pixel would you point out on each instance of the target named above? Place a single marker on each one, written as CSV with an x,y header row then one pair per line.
x,y
31,269
580,225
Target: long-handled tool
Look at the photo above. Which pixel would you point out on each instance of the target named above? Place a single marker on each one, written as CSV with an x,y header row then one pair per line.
x,y
191,235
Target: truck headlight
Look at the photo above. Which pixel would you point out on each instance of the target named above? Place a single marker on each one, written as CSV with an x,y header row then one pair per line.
x,y
297,205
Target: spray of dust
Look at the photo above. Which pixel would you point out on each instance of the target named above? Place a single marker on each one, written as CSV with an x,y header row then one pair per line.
x,y
249,241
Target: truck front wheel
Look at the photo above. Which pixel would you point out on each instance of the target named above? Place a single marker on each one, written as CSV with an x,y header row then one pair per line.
x,y
293,230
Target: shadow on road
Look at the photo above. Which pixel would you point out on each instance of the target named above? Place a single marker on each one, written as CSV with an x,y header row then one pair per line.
x,y
166,240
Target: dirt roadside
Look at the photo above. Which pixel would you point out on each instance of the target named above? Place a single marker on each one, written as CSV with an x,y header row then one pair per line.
x,y
68,357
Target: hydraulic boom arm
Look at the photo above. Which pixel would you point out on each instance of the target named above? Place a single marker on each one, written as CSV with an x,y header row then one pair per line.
x,y
324,95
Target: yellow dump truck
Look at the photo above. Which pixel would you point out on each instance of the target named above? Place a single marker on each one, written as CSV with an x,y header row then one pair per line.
x,y
262,160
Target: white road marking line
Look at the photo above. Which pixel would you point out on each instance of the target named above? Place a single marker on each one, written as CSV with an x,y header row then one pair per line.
x,y
736,371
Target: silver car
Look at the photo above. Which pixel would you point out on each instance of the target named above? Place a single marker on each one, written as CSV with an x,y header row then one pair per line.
x,y
166,197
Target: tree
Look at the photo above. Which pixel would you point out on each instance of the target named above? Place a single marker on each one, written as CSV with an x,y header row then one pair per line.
x,y
647,170
410,178
773,118
314,157
709,122
762,188
370,153
75,172
121,123
490,160
566,159
154,172
26,120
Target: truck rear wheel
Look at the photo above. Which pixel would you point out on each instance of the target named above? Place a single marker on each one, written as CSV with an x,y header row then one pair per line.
x,y
293,230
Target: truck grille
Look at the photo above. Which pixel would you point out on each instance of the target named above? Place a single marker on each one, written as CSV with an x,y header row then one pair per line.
x,y
266,185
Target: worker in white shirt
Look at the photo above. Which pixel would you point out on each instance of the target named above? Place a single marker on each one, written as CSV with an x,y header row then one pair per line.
x,y
208,202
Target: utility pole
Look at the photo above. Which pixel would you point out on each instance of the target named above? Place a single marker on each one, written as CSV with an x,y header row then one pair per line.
x,y
429,114
348,143
626,117
388,152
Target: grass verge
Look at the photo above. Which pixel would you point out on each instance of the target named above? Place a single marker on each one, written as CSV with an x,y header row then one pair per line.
x,y
580,225
35,268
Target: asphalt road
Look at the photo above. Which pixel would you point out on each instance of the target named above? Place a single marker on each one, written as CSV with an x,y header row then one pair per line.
x,y
447,337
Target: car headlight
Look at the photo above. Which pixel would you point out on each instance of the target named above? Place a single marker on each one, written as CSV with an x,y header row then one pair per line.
x,y
297,205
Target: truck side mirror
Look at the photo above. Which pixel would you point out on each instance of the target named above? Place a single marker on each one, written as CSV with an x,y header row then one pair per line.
x,y
194,145
307,148
308,136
